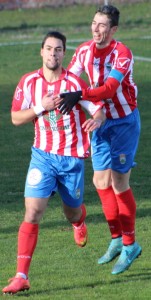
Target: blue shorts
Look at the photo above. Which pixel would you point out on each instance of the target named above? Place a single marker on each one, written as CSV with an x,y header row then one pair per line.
x,y
114,144
49,173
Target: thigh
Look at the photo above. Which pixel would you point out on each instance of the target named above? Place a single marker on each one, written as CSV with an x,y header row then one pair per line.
x,y
100,151
124,142
71,181
41,179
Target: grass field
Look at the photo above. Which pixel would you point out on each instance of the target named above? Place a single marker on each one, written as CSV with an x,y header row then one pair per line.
x,y
59,269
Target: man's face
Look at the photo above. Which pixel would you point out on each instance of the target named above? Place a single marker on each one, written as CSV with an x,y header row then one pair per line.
x,y
52,53
101,31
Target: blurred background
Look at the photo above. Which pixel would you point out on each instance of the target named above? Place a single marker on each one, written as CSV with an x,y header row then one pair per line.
x,y
59,270
13,4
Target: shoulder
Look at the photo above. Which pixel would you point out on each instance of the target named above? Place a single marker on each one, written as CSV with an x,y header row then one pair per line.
x,y
31,76
124,49
85,46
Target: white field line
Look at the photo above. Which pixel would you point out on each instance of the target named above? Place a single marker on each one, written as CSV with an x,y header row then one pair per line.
x,y
139,58
142,58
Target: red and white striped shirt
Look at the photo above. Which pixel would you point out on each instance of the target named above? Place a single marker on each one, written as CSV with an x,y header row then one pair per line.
x,y
54,132
114,62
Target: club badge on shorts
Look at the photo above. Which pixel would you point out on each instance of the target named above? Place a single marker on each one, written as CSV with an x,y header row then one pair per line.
x,y
34,176
122,159
77,193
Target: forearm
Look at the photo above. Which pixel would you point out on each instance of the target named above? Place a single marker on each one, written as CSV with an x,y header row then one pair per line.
x,y
49,102
103,92
92,124
23,116
106,91
99,115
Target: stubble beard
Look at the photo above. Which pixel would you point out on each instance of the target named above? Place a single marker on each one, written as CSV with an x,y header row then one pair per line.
x,y
52,68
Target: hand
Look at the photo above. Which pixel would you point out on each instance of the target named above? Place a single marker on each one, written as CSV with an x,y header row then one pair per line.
x,y
91,124
50,101
69,100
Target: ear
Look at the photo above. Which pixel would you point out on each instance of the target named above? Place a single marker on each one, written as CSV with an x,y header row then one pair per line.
x,y
41,52
114,29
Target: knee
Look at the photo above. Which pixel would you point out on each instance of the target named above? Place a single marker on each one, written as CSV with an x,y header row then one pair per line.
x,y
96,182
120,185
101,182
120,181
33,216
73,215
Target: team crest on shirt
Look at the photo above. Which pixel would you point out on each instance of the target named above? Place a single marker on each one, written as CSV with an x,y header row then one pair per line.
x,y
64,91
108,66
123,63
96,62
50,91
122,158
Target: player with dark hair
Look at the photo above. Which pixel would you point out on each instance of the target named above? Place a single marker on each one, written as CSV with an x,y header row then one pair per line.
x,y
60,145
109,67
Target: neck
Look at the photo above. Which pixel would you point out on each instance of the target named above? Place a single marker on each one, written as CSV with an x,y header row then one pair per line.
x,y
51,75
103,45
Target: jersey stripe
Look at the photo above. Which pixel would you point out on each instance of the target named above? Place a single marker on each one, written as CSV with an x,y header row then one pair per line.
x,y
54,132
115,61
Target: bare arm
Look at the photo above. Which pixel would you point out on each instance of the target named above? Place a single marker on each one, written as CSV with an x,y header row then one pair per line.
x,y
22,116
91,124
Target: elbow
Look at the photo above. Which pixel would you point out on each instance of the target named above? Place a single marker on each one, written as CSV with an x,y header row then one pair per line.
x,y
15,118
15,122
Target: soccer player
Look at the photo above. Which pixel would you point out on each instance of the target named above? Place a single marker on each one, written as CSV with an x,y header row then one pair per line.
x,y
60,145
109,67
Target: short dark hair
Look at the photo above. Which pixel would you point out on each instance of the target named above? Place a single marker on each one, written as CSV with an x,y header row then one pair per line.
x,y
112,13
56,35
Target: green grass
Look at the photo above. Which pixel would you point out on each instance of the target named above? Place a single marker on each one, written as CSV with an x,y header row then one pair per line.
x,y
59,269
